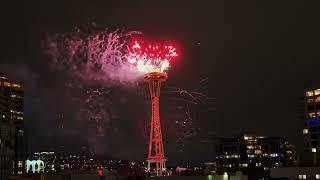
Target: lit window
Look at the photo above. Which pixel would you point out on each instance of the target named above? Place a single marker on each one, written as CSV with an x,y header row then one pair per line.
x,y
21,132
235,156
314,150
20,163
309,93
317,92
247,137
244,165
302,176
317,176
312,114
305,131
19,172
317,99
249,147
7,84
258,164
15,96
257,151
309,101
20,118
16,85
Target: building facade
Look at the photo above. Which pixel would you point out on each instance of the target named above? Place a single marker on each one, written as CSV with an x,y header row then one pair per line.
x,y
12,131
295,172
311,130
253,153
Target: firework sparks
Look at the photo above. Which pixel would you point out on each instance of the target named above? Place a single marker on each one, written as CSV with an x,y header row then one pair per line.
x,y
191,97
151,58
187,102
97,55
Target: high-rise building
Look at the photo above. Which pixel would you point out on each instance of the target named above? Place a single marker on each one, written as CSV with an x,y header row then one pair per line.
x,y
12,130
311,127
253,153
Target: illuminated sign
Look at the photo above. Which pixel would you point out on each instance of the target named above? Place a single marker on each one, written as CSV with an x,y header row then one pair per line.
x,y
34,166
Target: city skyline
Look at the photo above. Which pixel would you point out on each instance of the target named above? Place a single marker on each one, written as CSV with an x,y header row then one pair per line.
x,y
252,59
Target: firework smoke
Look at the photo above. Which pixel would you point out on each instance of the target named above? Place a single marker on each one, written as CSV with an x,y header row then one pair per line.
x,y
97,55
95,62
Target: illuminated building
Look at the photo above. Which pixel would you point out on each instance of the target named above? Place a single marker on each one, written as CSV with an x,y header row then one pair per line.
x,y
311,116
253,153
34,166
48,159
62,162
12,131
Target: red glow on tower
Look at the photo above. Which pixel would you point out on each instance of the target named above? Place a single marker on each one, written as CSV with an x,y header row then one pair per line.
x,y
155,150
153,60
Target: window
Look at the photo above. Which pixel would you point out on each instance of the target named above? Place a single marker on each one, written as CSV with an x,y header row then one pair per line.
x,y
317,92
314,150
7,84
305,131
317,99
19,172
21,132
258,164
249,147
312,114
274,155
16,85
302,176
309,93
20,163
258,151
16,96
309,101
317,176
244,165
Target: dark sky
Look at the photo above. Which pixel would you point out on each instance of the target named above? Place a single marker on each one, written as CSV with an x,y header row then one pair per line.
x,y
257,56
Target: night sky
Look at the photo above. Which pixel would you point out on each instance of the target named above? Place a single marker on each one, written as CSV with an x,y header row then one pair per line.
x,y
255,56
